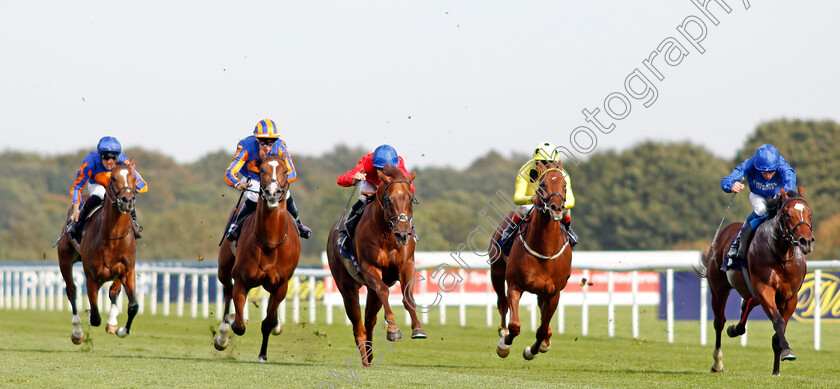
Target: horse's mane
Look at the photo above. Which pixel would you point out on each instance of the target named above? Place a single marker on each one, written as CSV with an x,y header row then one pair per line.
x,y
775,203
393,172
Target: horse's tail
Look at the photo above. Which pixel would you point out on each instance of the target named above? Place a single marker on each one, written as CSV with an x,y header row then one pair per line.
x,y
700,268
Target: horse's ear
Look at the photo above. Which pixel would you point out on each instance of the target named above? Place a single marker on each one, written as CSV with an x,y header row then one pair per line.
x,y
801,191
383,177
783,194
131,162
412,177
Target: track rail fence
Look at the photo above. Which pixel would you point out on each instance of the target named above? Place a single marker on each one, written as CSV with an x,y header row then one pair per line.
x,y
162,288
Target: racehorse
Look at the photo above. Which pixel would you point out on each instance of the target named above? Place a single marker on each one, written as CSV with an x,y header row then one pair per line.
x,y
540,262
771,277
266,255
384,247
107,254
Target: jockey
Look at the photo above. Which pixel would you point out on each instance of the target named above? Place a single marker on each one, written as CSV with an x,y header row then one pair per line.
x,y
96,171
366,172
767,172
525,188
249,153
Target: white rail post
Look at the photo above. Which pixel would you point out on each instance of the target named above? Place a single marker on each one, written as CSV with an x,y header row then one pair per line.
x,y
328,298
817,307
296,300
50,291
489,300
17,292
264,304
670,307
179,309
610,304
561,313
194,295
167,299
704,310
744,337
424,291
42,290
2,289
220,309
153,295
102,298
312,299
462,310
140,291
584,308
205,296
533,311
443,310
283,308
635,303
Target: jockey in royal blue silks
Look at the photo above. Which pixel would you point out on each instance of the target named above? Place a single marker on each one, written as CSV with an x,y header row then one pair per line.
x,y
95,171
767,172
249,154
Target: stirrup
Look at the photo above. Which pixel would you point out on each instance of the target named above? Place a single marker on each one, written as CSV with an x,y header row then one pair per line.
x,y
304,231
233,233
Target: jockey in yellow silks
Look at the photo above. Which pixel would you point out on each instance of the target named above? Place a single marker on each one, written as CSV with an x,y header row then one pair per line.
x,y
526,183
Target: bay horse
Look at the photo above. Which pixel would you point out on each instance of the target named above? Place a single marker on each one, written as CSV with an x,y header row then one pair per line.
x,y
266,255
107,252
384,246
774,272
540,262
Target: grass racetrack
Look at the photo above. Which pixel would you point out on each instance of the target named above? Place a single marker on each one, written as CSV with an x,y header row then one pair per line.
x,y
178,352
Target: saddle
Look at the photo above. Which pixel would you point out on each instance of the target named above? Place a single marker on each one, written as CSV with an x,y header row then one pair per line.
x,y
505,243
81,225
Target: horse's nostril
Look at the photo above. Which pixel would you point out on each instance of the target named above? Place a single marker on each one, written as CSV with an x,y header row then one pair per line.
x,y
802,241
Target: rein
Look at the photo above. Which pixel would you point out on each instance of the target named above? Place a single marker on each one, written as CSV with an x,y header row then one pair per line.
x,y
787,232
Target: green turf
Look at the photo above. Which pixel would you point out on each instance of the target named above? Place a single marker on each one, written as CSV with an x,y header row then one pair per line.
x,y
169,352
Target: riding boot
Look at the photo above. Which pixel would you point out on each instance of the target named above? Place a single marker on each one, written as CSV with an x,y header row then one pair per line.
x,y
573,238
304,231
91,203
247,208
350,224
746,237
137,227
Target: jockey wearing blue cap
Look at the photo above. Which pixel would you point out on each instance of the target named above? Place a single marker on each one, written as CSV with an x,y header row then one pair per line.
x,y
249,153
767,173
95,172
366,172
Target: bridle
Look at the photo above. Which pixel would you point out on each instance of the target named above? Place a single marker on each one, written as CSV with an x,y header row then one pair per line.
x,y
113,196
787,232
544,207
387,199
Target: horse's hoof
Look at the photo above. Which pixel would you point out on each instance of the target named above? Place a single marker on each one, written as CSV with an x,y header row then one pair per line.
x,y
418,334
262,359
787,355
220,346
716,371
238,330
733,332
122,332
527,354
277,330
111,329
503,352
394,336
76,340
544,347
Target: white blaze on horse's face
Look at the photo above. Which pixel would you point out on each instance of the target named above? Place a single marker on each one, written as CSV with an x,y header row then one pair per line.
x,y
273,186
124,174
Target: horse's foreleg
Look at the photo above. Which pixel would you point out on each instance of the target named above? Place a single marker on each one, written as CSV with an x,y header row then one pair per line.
x,y
371,310
747,306
93,294
270,323
377,286
547,308
113,293
497,277
506,336
350,295
240,297
777,353
220,342
406,281
133,306
66,267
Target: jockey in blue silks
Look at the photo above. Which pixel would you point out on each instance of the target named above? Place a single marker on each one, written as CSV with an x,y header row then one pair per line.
x,y
767,172
246,162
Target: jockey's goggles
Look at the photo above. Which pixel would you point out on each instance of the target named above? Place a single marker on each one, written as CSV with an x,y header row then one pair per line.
x,y
108,155
266,141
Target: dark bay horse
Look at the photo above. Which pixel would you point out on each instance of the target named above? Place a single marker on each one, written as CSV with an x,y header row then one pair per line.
x,y
776,267
266,255
540,262
107,254
384,246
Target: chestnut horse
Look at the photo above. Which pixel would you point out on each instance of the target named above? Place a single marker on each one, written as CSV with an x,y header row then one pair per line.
x,y
775,268
107,254
384,247
266,255
540,262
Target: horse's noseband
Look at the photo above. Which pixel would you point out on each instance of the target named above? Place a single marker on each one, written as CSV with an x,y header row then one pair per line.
x,y
122,206
401,218
281,192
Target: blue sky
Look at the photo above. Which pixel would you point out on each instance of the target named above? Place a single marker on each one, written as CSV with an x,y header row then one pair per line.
x,y
442,81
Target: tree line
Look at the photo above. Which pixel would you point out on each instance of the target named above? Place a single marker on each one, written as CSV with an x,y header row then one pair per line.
x,y
653,196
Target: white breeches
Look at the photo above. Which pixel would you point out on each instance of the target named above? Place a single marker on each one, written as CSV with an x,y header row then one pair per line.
x,y
365,186
759,204
96,190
